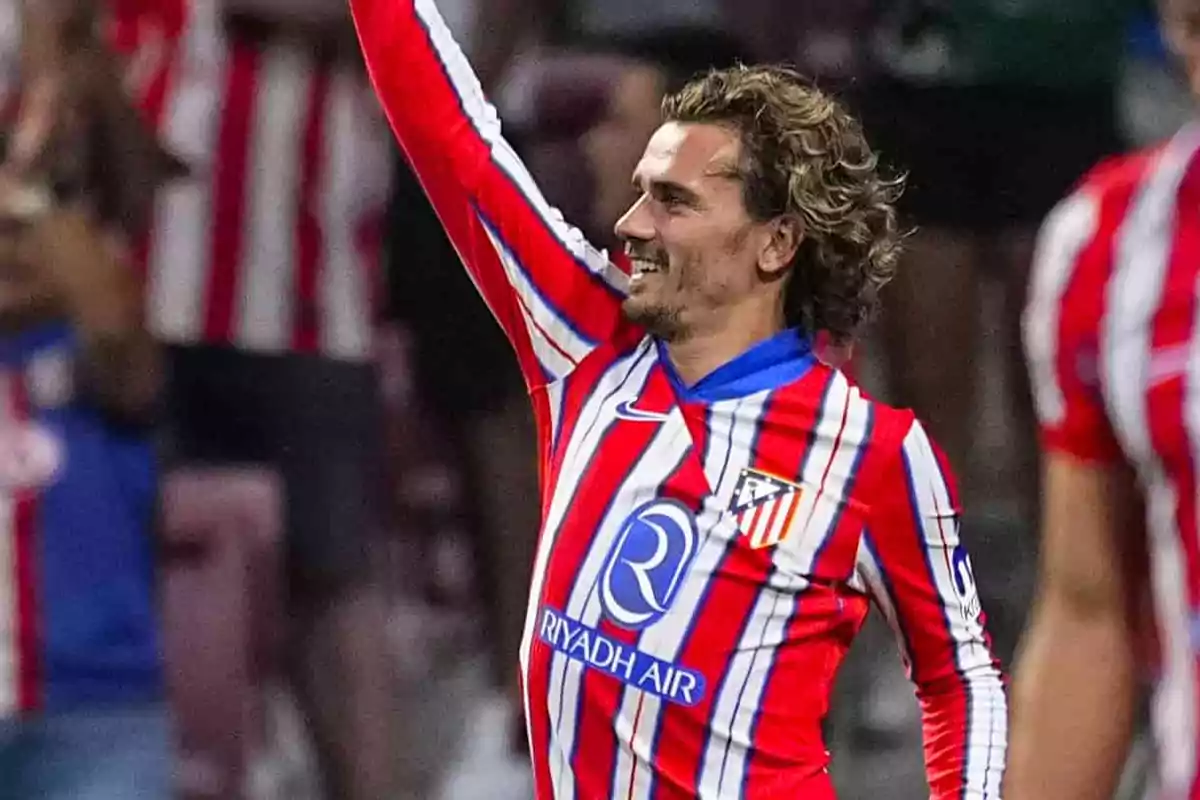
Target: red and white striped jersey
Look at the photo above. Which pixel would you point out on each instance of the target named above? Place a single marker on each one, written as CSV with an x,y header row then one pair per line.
x,y
271,245
1114,352
707,552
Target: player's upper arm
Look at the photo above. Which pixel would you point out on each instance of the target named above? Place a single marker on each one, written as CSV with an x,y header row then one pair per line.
x,y
1060,327
1090,522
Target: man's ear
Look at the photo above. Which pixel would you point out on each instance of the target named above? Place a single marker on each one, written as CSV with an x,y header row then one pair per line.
x,y
784,235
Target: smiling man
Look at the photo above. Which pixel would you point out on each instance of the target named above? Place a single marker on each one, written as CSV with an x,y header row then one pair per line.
x,y
719,508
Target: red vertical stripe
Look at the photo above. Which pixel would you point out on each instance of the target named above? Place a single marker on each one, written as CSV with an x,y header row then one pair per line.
x,y
29,662
310,242
229,192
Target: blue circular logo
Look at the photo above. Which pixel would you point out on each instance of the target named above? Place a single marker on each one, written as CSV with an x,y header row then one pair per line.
x,y
648,563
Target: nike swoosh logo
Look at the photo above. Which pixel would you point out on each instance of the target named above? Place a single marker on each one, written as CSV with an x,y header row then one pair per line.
x,y
625,410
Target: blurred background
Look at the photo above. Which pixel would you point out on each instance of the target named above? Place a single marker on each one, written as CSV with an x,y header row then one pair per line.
x,y
346,509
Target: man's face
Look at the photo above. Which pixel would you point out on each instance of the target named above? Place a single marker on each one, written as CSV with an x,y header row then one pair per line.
x,y
614,145
1181,26
694,248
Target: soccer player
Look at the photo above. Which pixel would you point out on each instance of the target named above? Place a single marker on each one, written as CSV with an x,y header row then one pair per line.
x,y
1114,353
719,508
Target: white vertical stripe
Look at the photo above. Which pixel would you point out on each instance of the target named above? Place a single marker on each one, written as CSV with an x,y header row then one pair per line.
x,y
357,174
940,537
1134,294
1066,232
181,241
10,653
668,448
267,276
732,427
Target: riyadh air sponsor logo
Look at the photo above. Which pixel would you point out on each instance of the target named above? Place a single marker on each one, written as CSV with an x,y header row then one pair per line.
x,y
590,647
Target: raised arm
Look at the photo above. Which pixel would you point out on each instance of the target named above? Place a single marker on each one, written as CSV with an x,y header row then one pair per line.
x,y
554,294
920,577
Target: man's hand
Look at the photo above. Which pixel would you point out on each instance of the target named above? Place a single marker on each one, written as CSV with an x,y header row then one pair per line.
x,y
88,272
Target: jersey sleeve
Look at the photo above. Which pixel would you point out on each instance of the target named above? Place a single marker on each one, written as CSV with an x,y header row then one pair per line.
x,y
919,575
1060,329
554,294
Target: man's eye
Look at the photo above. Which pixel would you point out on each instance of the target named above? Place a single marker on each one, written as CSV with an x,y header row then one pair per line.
x,y
671,200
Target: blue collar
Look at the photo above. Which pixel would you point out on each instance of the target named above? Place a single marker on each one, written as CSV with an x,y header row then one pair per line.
x,y
780,360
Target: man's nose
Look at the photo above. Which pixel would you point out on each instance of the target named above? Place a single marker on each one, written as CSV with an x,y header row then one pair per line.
x,y
636,223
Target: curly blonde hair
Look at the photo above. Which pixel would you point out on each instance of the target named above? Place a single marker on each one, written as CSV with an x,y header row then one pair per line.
x,y
805,155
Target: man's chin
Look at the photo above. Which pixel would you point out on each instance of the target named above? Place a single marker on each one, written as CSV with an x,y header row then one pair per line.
x,y
657,320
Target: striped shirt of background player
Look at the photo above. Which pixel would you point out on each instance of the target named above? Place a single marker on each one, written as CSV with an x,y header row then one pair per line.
x,y
1114,354
271,244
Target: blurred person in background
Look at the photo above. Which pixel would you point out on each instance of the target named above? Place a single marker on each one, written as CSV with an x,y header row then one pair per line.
x,y
949,79
1112,336
82,709
82,712
260,279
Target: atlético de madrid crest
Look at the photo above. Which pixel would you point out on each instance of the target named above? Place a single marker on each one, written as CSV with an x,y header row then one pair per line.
x,y
765,507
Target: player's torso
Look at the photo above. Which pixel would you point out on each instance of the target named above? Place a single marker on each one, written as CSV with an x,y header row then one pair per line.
x,y
77,621
690,602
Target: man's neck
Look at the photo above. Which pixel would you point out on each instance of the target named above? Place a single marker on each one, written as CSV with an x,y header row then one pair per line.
x,y
703,352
